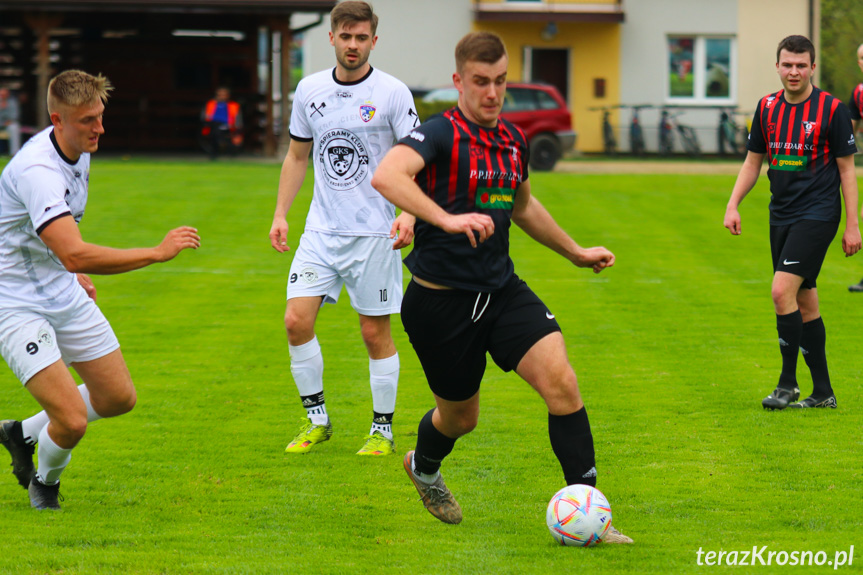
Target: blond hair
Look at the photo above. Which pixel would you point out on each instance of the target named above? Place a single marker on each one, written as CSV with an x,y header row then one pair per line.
x,y
486,47
74,88
353,12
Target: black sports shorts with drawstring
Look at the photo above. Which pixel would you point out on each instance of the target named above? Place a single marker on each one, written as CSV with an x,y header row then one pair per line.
x,y
451,330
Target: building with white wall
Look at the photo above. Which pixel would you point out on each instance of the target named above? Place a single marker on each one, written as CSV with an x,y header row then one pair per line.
x,y
416,39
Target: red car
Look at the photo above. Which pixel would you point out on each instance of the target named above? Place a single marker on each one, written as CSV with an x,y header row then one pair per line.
x,y
539,110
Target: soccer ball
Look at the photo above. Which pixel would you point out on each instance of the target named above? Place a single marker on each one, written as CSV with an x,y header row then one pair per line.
x,y
578,515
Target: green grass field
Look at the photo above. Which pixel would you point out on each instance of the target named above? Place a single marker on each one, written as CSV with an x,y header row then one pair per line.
x,y
674,347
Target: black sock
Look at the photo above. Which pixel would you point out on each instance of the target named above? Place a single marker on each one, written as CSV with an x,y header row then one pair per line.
x,y
314,403
382,418
432,446
790,327
812,343
572,443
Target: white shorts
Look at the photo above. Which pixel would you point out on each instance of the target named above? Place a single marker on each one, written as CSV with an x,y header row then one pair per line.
x,y
367,266
31,339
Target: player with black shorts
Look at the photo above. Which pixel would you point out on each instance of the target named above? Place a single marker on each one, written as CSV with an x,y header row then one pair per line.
x,y
808,139
464,298
855,106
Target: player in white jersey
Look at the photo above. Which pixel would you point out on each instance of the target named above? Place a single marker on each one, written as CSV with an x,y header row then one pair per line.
x,y
347,118
48,314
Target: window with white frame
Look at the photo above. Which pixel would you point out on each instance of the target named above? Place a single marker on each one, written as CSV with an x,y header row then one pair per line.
x,y
701,69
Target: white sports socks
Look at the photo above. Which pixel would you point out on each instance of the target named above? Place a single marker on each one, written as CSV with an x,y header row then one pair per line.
x,y
53,459
307,367
384,380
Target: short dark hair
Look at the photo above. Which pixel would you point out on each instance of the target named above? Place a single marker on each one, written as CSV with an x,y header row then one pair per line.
x,y
353,12
796,45
484,47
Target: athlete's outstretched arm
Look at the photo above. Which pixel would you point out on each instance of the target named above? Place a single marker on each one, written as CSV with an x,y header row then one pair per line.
x,y
534,219
394,179
746,179
848,178
290,182
63,237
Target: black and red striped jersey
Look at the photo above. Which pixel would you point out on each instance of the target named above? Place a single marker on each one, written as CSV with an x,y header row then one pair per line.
x,y
856,104
468,168
802,142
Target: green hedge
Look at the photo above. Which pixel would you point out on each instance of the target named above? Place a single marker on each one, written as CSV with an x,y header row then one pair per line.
x,y
426,109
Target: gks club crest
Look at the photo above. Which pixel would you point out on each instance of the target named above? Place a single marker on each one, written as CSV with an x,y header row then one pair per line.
x,y
343,159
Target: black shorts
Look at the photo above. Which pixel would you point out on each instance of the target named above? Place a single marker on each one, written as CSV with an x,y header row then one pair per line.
x,y
799,248
451,331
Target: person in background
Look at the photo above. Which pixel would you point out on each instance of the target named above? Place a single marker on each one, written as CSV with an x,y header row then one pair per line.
x,y
9,120
223,124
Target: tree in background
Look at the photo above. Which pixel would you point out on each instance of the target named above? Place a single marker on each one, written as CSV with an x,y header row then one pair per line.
x,y
841,34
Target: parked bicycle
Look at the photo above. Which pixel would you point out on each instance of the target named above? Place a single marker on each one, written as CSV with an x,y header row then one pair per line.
x,y
609,142
668,125
731,134
666,134
636,133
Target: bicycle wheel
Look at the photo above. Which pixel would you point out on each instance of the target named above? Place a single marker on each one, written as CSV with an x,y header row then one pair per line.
x,y
742,138
689,140
666,141
636,140
608,139
727,137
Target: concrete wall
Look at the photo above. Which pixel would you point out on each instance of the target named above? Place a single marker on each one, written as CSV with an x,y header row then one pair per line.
x,y
757,25
758,69
645,68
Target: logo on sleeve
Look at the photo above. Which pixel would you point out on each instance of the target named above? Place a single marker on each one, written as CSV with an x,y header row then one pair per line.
x,y
412,114
788,163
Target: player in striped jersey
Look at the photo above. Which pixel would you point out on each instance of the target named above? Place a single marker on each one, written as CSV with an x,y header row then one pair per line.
x,y
807,138
464,299
856,103
856,108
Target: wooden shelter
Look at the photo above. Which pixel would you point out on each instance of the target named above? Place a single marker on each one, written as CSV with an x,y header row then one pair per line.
x,y
165,59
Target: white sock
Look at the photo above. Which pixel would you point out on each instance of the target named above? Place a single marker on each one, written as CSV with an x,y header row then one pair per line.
x,y
53,459
85,395
307,367
384,380
33,426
